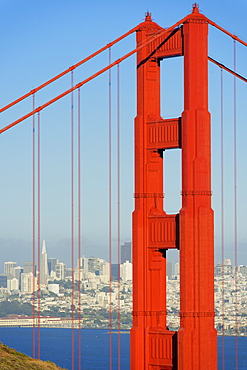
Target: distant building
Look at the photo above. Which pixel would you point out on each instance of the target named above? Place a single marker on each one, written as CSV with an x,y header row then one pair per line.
x,y
176,269
16,273
8,266
54,288
227,262
104,268
3,280
169,269
225,269
29,267
242,269
93,264
12,285
126,252
44,265
28,283
60,270
83,264
68,272
104,272
126,271
114,271
51,262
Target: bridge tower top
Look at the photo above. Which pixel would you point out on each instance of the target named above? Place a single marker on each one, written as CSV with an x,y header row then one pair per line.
x,y
148,17
195,8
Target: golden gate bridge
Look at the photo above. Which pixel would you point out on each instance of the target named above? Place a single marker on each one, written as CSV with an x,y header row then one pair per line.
x,y
154,231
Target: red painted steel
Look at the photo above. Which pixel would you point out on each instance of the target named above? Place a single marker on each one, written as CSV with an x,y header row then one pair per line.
x,y
234,73
197,347
33,91
79,227
234,37
33,230
153,346
90,78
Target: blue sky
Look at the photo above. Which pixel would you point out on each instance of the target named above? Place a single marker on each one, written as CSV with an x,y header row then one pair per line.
x,y
39,39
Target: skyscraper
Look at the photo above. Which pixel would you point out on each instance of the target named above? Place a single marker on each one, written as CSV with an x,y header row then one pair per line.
x,y
83,264
169,269
44,265
176,269
126,271
93,264
126,252
29,267
28,283
60,270
16,273
51,264
3,280
8,266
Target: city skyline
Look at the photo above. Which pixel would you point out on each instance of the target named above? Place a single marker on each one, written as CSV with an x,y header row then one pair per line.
x,y
47,262
64,34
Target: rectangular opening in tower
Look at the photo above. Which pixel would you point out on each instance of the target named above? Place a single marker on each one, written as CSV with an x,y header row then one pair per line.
x,y
172,289
171,87
172,180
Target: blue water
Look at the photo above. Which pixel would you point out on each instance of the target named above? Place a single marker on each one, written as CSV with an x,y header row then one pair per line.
x,y
56,347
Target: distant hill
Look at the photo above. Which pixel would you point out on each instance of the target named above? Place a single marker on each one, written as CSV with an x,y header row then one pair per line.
x,y
11,359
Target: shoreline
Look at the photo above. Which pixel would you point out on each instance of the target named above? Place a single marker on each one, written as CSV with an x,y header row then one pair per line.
x,y
114,331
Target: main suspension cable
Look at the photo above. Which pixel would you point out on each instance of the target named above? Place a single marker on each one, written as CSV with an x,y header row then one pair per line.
x,y
226,32
45,105
227,69
68,69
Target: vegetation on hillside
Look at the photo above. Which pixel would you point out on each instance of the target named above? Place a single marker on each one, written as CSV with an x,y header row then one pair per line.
x,y
15,308
11,359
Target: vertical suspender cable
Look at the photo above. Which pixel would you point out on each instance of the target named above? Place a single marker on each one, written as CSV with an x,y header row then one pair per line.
x,y
72,223
235,204
39,290
222,214
33,228
79,230
110,206
119,214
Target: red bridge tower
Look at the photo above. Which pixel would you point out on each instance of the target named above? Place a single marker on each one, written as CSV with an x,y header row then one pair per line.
x,y
153,346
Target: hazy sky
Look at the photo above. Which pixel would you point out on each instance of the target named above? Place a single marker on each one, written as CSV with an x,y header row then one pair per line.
x,y
39,39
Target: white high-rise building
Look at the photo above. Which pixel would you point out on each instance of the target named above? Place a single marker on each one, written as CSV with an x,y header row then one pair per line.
x,y
44,265
176,269
28,282
126,271
104,272
12,284
8,266
83,264
169,269
16,273
104,268
60,270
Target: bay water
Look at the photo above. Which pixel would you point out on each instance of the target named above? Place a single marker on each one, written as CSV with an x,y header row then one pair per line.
x,y
94,347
